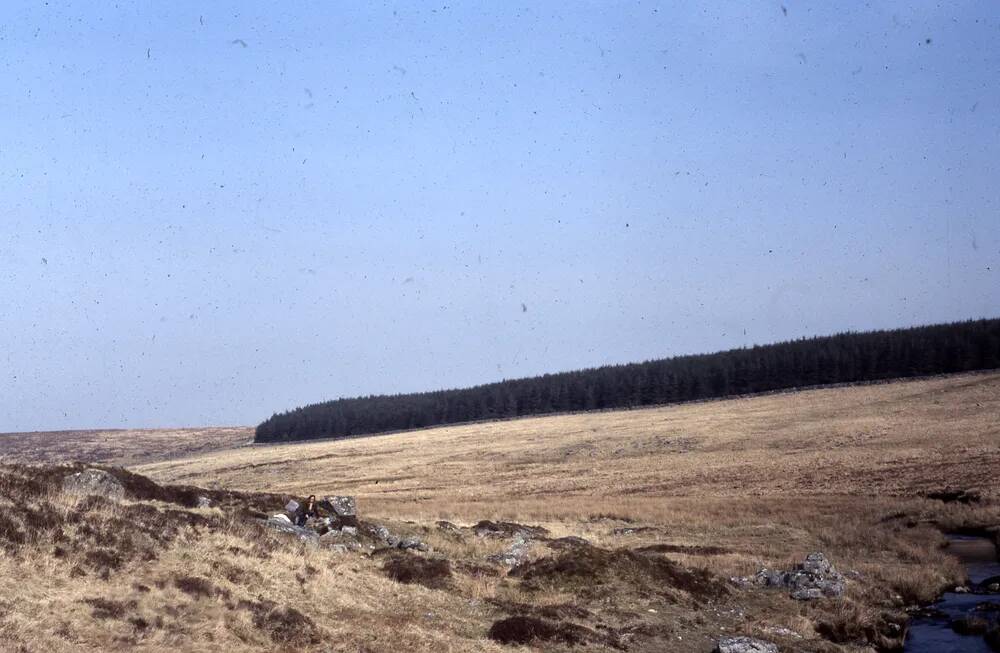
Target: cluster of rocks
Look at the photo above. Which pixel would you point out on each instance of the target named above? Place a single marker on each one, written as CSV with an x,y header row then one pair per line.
x,y
814,578
340,530
744,645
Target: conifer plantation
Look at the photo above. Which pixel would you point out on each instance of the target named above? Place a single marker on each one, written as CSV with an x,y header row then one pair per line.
x,y
842,358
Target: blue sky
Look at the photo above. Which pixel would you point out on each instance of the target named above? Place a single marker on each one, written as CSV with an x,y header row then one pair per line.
x,y
214,211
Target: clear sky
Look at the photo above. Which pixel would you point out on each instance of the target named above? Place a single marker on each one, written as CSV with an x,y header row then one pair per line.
x,y
210,212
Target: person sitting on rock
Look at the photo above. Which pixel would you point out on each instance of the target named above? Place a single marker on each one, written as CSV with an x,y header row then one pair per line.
x,y
308,511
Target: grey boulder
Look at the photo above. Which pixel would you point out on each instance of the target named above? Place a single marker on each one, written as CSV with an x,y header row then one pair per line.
x,y
283,524
341,506
515,554
94,482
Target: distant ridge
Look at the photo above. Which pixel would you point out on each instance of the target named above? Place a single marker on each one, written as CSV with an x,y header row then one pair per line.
x,y
842,358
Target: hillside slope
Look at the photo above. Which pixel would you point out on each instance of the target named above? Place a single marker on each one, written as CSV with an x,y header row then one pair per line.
x,y
676,506
897,438
673,503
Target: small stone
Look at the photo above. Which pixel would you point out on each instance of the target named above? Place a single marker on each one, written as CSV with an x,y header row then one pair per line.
x,y
204,502
350,531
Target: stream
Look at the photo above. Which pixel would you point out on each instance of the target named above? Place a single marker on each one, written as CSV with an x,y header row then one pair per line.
x,y
931,632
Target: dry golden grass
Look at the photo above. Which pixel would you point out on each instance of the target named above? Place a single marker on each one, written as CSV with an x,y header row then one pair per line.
x,y
148,576
879,440
726,486
767,478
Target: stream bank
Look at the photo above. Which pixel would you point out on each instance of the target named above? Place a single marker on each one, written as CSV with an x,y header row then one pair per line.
x,y
963,621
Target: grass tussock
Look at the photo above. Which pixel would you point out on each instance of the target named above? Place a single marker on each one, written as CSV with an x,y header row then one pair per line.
x,y
594,572
433,573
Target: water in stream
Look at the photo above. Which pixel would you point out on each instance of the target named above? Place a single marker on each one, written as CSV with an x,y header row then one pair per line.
x,y
934,635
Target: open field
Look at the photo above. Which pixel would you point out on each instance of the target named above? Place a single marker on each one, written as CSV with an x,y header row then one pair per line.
x,y
118,446
674,501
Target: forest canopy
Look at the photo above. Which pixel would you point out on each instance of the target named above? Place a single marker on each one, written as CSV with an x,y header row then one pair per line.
x,y
843,358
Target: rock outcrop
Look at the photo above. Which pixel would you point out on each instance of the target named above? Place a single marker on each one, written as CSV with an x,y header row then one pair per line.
x,y
94,482
488,528
342,508
281,522
515,554
814,578
341,531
